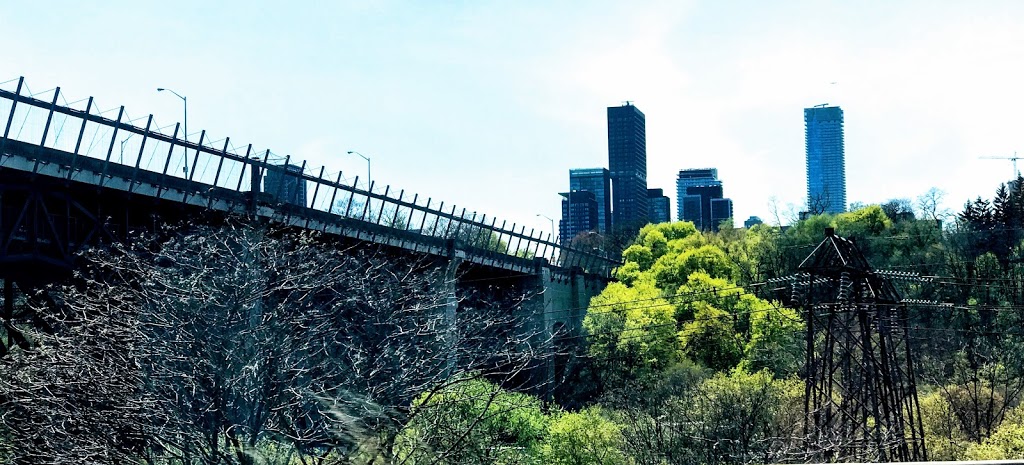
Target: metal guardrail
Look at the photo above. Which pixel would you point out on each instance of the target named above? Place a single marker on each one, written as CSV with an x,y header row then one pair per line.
x,y
81,129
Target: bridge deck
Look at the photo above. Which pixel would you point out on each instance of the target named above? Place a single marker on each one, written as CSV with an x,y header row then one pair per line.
x,y
61,142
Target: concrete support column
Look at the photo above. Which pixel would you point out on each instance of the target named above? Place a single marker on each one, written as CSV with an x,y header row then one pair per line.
x,y
8,314
448,321
554,316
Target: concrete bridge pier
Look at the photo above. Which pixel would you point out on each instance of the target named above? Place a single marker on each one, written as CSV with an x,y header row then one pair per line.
x,y
8,316
449,288
556,312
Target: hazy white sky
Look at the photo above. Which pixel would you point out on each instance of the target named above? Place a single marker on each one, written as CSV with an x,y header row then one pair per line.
x,y
488,104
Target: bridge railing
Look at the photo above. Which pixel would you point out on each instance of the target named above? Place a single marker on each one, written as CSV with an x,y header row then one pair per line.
x,y
85,129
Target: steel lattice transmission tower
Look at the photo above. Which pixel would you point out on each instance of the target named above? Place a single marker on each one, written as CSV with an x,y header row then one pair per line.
x,y
860,399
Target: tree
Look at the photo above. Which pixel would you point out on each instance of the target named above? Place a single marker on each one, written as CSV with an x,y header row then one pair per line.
x,y
730,417
898,209
631,333
929,205
944,438
217,343
1006,442
583,438
472,421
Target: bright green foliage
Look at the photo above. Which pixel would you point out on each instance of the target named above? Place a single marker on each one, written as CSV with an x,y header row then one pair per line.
x,y
755,251
776,337
724,323
943,437
476,422
634,333
472,421
656,242
867,221
632,329
639,255
670,231
701,288
672,270
1006,442
586,437
628,273
711,338
809,231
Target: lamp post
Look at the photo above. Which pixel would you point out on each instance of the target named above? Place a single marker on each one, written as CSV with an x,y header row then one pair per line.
x,y
364,157
552,224
125,141
184,123
369,203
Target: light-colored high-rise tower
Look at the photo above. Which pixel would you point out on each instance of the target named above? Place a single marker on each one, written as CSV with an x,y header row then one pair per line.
x,y
826,163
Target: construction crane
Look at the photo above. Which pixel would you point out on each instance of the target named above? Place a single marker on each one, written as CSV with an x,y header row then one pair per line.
x,y
1014,159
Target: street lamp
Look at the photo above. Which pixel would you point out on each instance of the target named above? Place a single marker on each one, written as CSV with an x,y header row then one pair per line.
x,y
125,141
369,203
552,224
353,152
184,123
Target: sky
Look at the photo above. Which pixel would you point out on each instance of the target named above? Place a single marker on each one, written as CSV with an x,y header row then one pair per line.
x,y
488,104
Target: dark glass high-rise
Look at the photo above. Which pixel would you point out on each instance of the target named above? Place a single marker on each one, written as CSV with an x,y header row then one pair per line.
x,y
627,164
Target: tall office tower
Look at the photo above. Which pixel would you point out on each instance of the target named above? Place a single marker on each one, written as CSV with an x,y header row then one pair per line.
x,y
598,181
579,214
285,186
698,203
826,165
721,210
660,209
694,209
627,163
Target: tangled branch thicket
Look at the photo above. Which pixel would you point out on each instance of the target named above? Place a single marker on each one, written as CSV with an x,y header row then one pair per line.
x,y
244,344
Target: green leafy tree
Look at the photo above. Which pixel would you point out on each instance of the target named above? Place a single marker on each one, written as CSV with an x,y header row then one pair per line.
x,y
711,338
776,337
943,436
631,331
1005,443
472,421
730,417
586,437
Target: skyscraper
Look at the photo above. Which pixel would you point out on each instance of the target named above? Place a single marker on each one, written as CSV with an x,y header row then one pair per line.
x,y
627,163
660,207
286,186
826,164
693,178
699,194
598,181
579,214
721,210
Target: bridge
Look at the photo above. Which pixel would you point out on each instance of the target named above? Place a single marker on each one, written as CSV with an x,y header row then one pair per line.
x,y
73,174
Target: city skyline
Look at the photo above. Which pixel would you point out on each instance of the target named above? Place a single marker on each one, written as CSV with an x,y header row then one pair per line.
x,y
437,96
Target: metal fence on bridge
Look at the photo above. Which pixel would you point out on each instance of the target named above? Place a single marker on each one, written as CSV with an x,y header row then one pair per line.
x,y
83,128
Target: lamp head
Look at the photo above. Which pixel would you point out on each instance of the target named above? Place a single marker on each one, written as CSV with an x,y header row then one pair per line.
x,y
159,89
350,152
